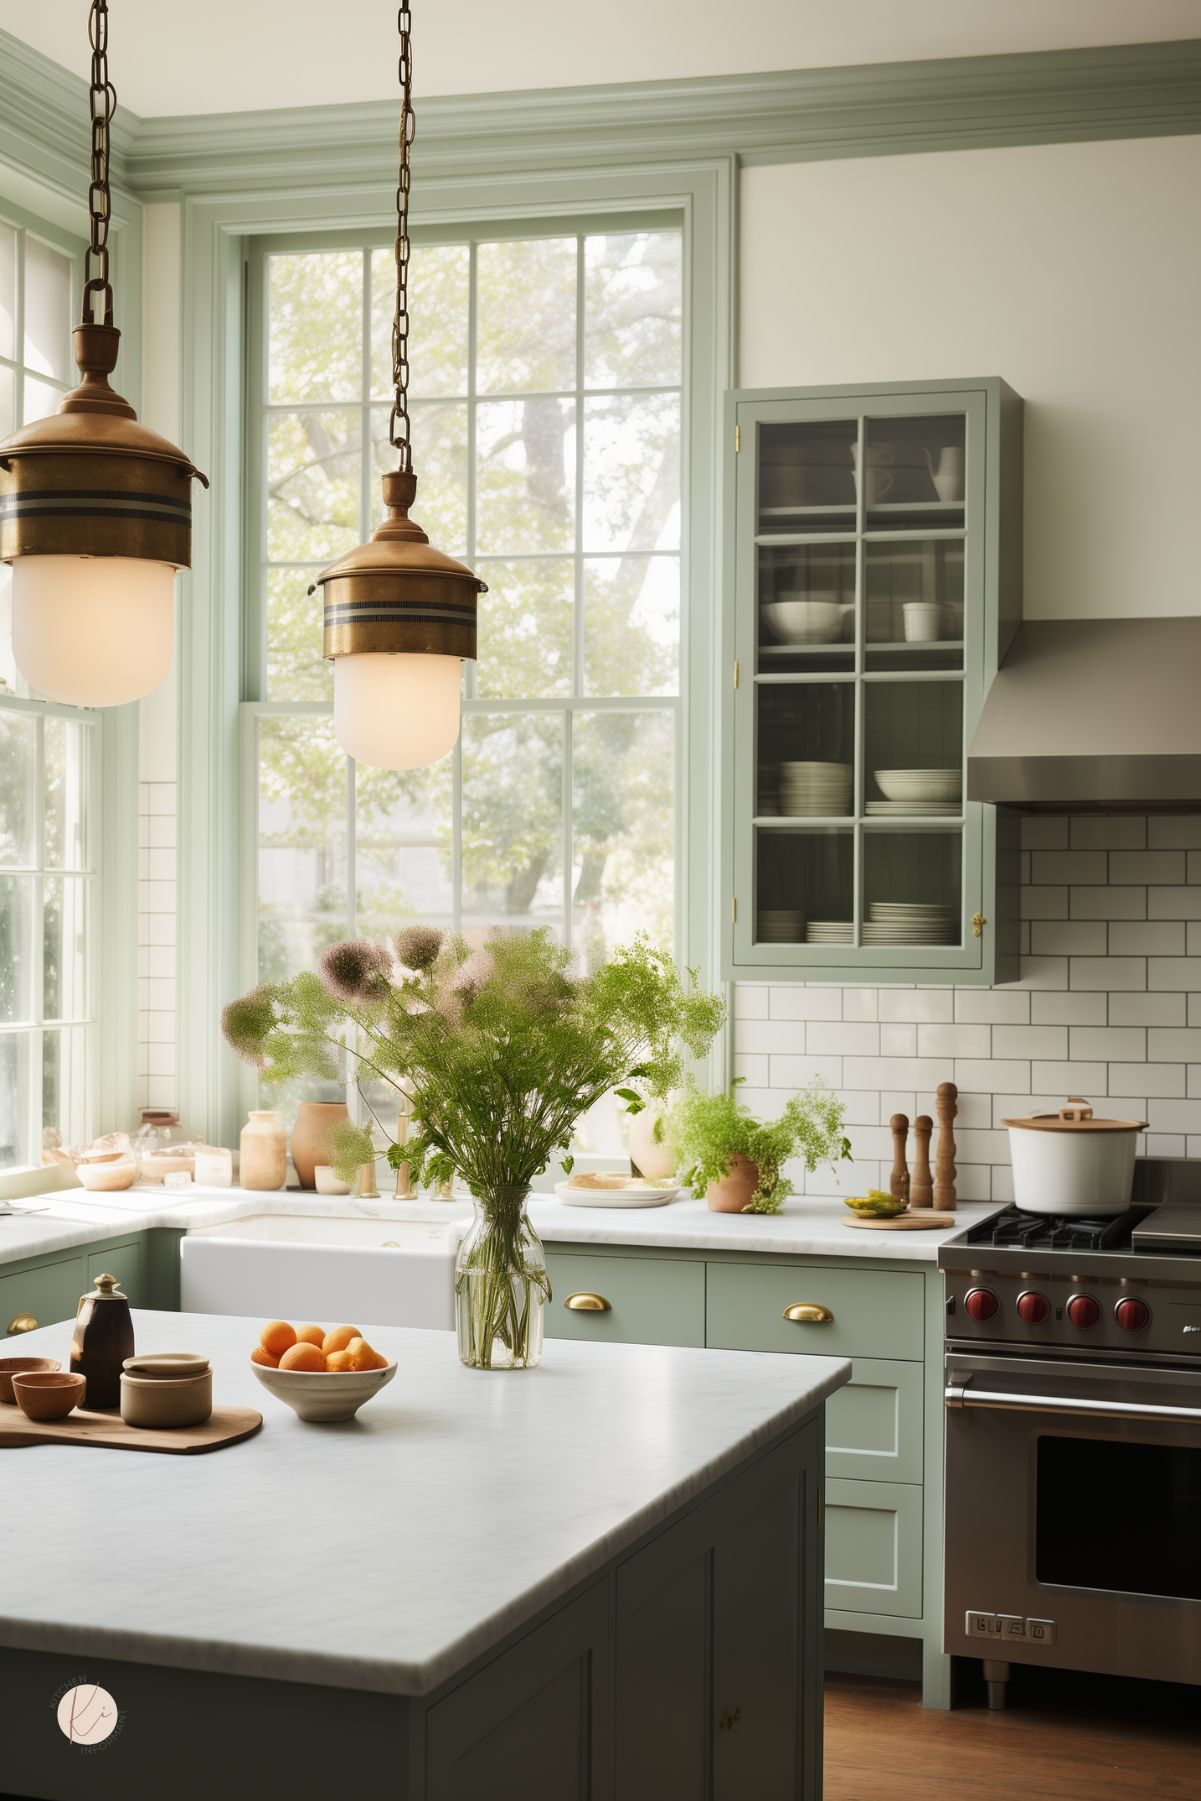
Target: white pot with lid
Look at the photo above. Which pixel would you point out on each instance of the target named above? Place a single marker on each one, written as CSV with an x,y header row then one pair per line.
x,y
1071,1162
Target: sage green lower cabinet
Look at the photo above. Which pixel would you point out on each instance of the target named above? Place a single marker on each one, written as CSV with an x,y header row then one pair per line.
x,y
47,1289
874,1547
41,1292
872,1313
633,1300
125,1262
874,1424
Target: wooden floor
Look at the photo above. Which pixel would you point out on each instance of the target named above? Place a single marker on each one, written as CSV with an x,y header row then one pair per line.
x,y
1066,1740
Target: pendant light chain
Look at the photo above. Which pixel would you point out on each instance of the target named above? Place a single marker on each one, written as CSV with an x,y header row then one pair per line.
x,y
398,426
103,106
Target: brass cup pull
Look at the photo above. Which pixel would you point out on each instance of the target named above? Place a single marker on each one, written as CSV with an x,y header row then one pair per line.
x,y
24,1322
583,1302
809,1313
729,1720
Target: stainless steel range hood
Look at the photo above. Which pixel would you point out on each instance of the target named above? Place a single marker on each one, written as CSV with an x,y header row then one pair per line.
x,y
1095,714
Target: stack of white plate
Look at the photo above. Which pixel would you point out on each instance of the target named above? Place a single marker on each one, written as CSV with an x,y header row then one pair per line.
x,y
910,922
769,791
780,925
913,809
920,784
829,931
809,789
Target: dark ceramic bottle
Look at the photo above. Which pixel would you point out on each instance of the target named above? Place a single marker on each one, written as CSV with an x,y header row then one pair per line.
x,y
103,1339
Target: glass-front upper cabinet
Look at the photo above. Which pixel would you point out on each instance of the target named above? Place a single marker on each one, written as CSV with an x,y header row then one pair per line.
x,y
873,584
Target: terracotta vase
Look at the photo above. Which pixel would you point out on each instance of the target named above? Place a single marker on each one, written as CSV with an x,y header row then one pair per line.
x,y
650,1158
734,1193
310,1137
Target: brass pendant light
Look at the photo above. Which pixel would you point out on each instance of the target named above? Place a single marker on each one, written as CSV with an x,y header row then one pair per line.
x,y
95,510
399,616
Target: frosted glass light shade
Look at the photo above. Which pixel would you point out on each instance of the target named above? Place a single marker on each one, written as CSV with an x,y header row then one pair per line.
x,y
92,631
396,710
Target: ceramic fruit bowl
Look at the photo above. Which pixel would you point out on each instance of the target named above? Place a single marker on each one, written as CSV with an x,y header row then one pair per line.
x,y
876,1205
324,1394
49,1394
23,1366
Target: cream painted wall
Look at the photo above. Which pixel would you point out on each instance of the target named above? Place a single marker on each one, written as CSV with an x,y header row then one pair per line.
x,y
1074,271
160,409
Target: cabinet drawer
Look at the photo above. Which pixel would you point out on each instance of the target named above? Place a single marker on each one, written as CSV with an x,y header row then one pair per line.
x,y
874,1424
874,1548
651,1300
876,1313
48,1293
125,1262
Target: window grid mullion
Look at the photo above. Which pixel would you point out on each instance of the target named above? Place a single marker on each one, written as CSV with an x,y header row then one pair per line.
x,y
472,523
37,1037
577,653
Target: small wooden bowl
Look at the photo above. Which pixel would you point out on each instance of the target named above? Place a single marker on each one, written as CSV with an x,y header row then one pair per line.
x,y
17,1366
49,1395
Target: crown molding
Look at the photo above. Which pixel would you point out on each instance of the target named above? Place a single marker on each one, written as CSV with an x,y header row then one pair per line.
x,y
1062,96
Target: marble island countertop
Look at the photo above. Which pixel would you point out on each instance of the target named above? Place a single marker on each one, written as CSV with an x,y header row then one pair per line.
x,y
384,1554
807,1226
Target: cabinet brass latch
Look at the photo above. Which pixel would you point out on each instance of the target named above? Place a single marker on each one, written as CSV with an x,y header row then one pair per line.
x,y
737,439
734,911
978,924
737,671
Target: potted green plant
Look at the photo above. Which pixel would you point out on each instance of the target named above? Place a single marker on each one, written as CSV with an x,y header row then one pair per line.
x,y
500,1049
735,1160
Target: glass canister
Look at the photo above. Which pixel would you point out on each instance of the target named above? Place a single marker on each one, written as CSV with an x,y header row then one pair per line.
x,y
161,1146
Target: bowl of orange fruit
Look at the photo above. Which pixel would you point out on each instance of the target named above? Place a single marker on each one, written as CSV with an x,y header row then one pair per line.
x,y
320,1375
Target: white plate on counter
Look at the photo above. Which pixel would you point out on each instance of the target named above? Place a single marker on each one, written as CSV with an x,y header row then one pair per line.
x,y
632,1194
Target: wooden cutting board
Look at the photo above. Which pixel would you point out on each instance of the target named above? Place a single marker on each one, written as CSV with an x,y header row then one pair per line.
x,y
922,1221
225,1427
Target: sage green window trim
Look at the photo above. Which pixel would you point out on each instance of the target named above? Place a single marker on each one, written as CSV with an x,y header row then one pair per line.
x,y
211,661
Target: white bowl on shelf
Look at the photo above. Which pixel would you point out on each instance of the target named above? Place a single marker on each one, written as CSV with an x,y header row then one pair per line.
x,y
920,784
805,618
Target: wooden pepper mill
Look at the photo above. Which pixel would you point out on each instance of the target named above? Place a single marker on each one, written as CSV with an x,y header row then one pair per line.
x,y
944,1169
898,1185
921,1187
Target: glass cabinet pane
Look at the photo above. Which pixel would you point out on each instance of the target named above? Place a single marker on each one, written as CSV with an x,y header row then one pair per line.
x,y
805,761
913,604
807,477
804,883
912,471
913,749
912,883
806,616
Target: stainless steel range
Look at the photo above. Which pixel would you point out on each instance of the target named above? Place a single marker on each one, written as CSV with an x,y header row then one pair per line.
x,y
1073,1410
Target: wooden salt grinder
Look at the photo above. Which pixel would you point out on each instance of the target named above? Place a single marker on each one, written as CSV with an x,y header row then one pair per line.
x,y
921,1188
944,1168
898,1185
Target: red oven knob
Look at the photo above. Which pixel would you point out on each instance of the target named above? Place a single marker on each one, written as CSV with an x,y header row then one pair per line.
x,y
1132,1315
981,1304
1033,1307
1083,1310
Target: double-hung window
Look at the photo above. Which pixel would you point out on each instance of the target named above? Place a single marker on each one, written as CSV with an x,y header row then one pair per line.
x,y
49,771
546,398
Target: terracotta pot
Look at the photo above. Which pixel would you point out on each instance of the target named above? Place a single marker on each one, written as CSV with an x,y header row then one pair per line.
x,y
734,1193
310,1137
650,1158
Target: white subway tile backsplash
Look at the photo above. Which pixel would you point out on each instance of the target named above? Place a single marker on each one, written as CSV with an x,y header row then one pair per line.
x,y
954,1041
1161,1144
1146,867
1165,1045
985,1075
1194,1009
1108,831
1146,1009
1043,902
917,1004
1071,1078
980,1146
161,797
1108,1043
1193,940
161,865
1072,1008
1174,1116
1045,831
861,1003
1043,972
1107,903
898,1040
1174,903
1070,866
1108,972
805,1003
1193,1085
770,1035
161,831
973,1182
1068,937
1174,973
885,1072
1193,872
751,1001
1147,938
797,1072
862,1107
838,1039
1164,1080
992,1006
753,1067
1030,1041
1174,831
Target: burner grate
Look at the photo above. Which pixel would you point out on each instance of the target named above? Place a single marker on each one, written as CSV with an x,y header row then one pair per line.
x,y
1055,1232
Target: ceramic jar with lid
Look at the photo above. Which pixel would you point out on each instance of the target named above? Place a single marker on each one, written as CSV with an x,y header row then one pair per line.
x,y
264,1151
102,1340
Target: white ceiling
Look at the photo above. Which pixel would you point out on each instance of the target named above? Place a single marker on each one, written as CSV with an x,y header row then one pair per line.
x,y
168,57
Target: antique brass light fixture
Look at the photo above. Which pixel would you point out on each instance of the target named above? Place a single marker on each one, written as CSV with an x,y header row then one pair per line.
x,y
400,616
95,510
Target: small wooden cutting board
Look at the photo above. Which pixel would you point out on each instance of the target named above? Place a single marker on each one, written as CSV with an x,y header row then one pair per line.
x,y
907,1222
225,1426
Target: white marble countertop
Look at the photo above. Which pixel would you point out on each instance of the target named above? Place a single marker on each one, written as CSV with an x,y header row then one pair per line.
x,y
807,1226
388,1552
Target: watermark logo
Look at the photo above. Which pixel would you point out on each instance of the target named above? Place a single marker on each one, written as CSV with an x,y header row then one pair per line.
x,y
87,1715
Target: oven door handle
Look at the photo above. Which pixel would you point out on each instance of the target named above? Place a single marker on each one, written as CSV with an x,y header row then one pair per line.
x,y
960,1395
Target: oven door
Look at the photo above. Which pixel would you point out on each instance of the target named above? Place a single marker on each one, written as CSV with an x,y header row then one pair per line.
x,y
1073,1515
